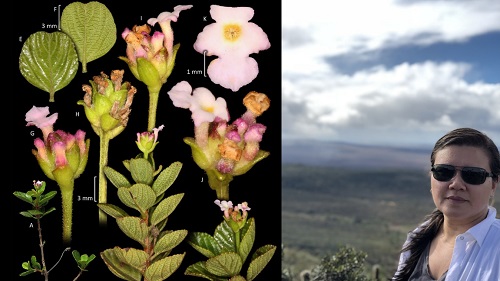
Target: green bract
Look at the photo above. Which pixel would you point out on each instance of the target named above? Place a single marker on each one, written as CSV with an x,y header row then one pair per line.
x,y
48,61
92,28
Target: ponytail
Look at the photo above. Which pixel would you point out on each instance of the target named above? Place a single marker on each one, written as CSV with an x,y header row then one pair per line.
x,y
418,242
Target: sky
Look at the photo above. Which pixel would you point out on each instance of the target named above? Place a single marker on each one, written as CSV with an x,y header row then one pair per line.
x,y
381,72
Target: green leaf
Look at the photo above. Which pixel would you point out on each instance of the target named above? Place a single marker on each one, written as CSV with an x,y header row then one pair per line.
x,y
44,199
141,171
199,270
92,28
117,179
50,210
165,208
76,255
48,61
247,239
28,272
224,236
35,212
139,196
27,214
204,243
34,263
166,178
26,265
23,196
134,228
260,259
118,268
169,241
225,265
133,257
112,210
162,269
144,196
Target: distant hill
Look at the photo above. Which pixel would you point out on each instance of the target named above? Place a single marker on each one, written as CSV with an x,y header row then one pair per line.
x,y
340,154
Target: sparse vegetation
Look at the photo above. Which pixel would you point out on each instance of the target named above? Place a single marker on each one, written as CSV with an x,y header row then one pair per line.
x,y
324,209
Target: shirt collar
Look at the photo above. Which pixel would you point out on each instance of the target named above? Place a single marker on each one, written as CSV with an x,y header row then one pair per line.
x,y
479,230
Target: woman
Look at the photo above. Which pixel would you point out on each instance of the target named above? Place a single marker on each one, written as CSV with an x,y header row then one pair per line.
x,y
460,239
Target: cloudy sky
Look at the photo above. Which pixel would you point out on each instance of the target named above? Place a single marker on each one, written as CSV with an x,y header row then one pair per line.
x,y
390,72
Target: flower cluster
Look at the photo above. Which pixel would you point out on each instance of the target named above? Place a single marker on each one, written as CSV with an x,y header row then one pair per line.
x,y
147,141
232,38
235,216
220,148
107,103
61,156
151,58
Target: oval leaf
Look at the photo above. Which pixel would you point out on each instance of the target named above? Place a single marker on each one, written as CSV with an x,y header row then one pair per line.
x,y
48,61
134,228
225,264
204,243
92,28
117,179
225,237
118,268
169,241
162,269
166,178
133,257
112,210
259,260
139,196
165,208
199,270
141,171
247,239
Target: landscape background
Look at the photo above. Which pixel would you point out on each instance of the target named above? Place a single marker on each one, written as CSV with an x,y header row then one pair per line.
x,y
367,197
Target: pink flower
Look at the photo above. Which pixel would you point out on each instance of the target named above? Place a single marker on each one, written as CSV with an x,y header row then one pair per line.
x,y
232,33
164,20
232,38
180,94
205,107
233,72
202,103
255,132
38,116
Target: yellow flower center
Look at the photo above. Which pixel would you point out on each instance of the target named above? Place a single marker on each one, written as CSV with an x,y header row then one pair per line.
x,y
232,32
209,109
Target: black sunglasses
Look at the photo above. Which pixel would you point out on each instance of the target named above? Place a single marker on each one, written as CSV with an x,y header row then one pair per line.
x,y
470,175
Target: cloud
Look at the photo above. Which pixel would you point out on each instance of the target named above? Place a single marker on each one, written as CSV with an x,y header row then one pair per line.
x,y
324,101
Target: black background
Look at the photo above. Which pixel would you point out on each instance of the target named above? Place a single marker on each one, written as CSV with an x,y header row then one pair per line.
x,y
260,187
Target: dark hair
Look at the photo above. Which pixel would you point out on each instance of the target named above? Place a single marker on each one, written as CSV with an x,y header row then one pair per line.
x,y
424,235
470,137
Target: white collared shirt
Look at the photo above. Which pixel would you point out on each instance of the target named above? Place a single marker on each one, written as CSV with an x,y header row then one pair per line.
x,y
476,256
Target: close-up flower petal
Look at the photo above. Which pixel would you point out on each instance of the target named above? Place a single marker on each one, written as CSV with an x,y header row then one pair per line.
x,y
233,72
231,34
180,94
205,107
38,116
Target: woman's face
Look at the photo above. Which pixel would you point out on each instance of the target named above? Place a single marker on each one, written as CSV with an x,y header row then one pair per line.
x,y
457,199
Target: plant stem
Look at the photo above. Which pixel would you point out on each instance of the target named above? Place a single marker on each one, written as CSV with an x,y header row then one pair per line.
x,y
153,104
103,161
220,183
67,210
45,272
